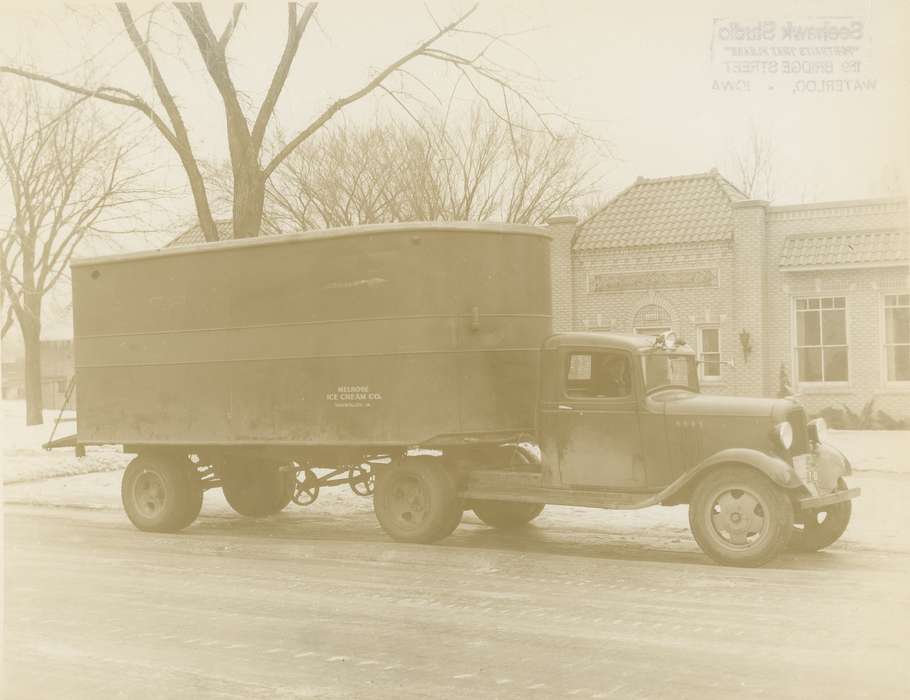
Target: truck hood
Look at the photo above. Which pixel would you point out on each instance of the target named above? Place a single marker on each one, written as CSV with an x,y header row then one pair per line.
x,y
686,403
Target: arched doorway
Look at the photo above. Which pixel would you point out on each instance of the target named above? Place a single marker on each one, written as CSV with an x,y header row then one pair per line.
x,y
652,319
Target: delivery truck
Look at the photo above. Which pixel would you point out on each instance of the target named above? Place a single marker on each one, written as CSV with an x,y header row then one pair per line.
x,y
415,364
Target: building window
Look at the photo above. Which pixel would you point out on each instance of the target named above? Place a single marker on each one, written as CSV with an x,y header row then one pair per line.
x,y
709,352
897,337
821,339
651,320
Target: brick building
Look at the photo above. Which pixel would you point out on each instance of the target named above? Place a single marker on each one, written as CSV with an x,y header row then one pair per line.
x,y
816,295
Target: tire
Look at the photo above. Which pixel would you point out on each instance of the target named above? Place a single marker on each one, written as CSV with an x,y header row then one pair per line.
x,y
417,501
739,517
257,490
814,532
506,514
194,494
159,493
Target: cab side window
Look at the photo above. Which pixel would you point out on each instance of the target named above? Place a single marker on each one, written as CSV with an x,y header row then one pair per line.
x,y
598,375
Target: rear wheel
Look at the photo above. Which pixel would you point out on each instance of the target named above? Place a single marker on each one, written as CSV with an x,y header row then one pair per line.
x,y
194,494
822,527
506,514
160,493
257,490
416,500
510,514
740,518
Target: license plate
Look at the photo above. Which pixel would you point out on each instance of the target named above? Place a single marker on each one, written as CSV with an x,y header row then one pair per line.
x,y
805,468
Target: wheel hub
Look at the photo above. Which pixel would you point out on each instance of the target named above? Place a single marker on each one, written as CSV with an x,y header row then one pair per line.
x,y
738,518
149,494
409,503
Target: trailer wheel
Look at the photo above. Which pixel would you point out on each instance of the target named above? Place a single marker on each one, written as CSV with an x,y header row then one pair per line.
x,y
506,514
822,527
159,493
194,494
740,518
257,490
416,500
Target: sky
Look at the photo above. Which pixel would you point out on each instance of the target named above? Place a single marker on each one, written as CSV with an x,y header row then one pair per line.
x,y
651,80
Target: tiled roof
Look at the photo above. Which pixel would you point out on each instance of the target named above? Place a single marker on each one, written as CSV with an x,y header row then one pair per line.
x,y
684,209
856,249
193,234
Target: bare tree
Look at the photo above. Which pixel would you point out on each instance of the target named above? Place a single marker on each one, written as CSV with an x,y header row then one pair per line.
x,y
251,167
66,177
753,166
476,171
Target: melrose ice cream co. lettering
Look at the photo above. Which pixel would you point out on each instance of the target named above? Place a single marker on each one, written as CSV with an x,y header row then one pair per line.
x,y
353,396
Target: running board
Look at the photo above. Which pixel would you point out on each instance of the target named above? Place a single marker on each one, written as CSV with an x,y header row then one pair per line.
x,y
525,487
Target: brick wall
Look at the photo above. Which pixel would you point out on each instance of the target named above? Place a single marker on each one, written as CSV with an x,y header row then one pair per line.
x,y
562,229
863,289
749,298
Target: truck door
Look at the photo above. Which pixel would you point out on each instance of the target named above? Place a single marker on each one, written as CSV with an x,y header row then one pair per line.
x,y
597,432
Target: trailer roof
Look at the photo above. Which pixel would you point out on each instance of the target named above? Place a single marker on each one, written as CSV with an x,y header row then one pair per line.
x,y
322,234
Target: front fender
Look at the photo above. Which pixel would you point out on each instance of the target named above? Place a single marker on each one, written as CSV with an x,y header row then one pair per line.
x,y
830,465
774,468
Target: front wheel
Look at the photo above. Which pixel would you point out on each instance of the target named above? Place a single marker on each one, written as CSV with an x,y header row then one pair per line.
x,y
740,518
506,514
416,500
822,527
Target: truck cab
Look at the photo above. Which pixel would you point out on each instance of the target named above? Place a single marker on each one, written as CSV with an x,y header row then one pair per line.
x,y
622,424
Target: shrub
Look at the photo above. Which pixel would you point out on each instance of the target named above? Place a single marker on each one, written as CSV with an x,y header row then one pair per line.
x,y
845,418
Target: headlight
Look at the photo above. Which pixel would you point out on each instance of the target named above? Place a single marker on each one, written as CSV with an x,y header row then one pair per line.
x,y
784,433
818,430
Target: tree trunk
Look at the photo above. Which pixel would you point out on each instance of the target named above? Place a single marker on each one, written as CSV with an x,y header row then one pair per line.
x,y
249,198
31,336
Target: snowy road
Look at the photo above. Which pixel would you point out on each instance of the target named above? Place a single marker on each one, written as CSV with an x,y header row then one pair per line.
x,y
319,605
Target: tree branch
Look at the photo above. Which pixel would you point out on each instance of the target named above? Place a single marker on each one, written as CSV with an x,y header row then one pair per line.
x,y
231,26
296,29
181,143
339,104
114,95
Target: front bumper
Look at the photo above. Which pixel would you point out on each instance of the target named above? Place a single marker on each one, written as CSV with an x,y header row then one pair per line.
x,y
821,470
814,502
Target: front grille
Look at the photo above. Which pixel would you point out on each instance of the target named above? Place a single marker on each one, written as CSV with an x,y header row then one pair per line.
x,y
797,420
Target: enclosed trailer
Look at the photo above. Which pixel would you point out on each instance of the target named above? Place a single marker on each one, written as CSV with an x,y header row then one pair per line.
x,y
366,339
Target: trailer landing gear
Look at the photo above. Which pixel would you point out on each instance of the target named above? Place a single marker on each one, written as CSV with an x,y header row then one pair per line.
x,y
359,478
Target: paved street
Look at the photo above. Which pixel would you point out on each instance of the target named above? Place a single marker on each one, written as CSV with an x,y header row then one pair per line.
x,y
316,605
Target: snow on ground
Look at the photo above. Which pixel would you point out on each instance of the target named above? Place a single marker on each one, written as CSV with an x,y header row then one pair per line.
x,y
874,450
881,461
25,460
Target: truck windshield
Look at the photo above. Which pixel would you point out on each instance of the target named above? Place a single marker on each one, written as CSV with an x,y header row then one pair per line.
x,y
664,370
